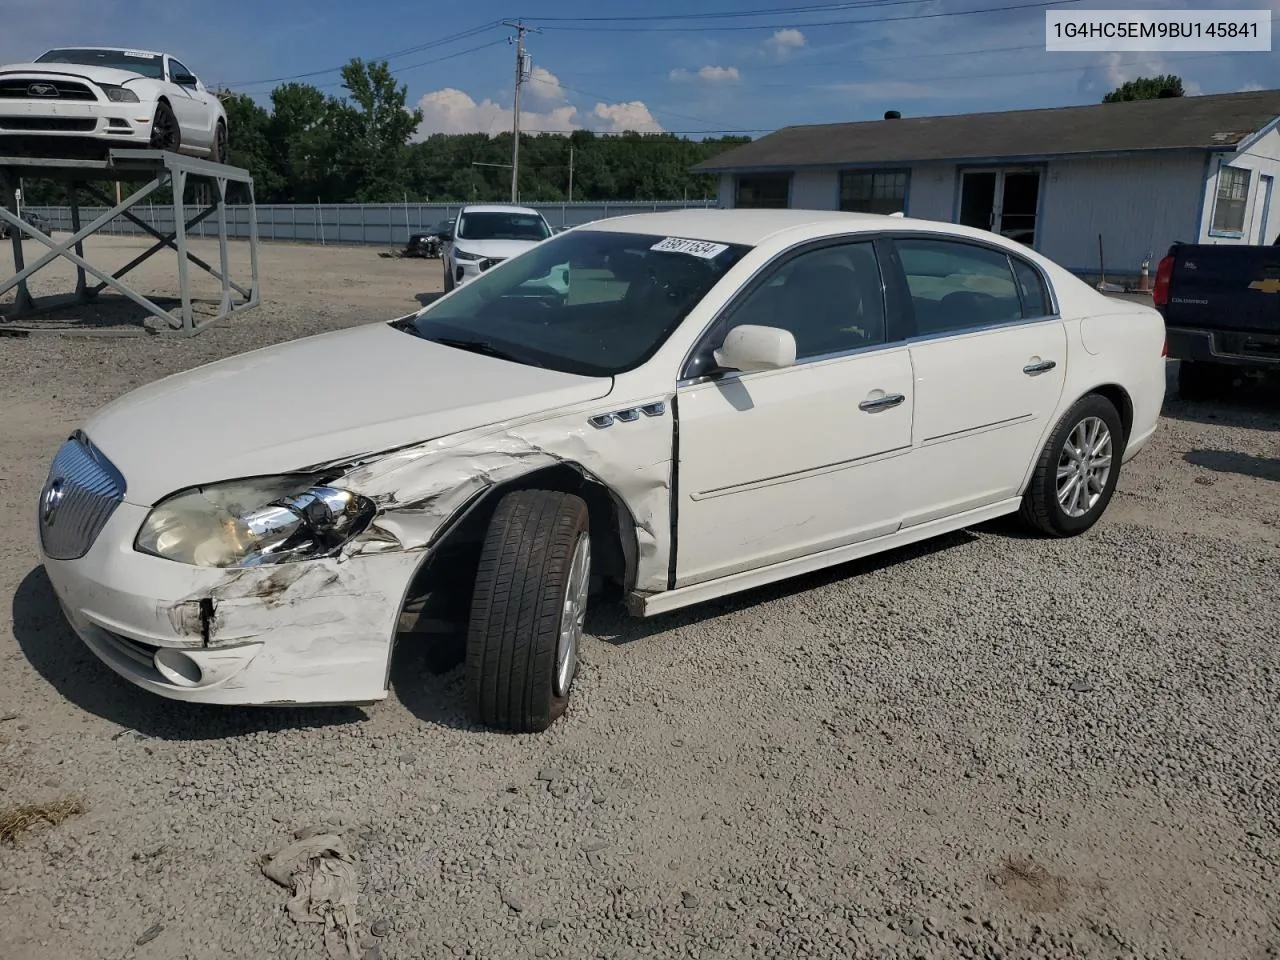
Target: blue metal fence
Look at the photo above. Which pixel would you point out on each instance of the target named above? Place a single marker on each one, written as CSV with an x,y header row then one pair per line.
x,y
388,224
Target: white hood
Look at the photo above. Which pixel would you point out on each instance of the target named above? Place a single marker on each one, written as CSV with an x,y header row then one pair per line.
x,y
500,249
83,72
321,399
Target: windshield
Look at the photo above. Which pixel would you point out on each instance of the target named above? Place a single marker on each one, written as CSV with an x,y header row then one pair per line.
x,y
497,225
585,302
146,64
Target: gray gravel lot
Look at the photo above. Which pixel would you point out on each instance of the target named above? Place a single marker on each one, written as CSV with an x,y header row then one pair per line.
x,y
985,746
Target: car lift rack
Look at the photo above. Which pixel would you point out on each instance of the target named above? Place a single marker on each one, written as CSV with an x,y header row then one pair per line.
x,y
153,169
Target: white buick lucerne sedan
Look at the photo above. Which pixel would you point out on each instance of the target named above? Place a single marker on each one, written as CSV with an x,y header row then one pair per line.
x,y
714,400
114,97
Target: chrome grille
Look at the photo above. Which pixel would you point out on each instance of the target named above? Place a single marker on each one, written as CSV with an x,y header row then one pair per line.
x,y
20,89
82,491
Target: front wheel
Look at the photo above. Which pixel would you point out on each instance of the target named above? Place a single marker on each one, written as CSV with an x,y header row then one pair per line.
x,y
1077,470
165,133
528,610
221,150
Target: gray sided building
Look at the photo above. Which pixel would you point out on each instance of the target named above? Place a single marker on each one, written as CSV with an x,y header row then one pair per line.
x,y
1141,174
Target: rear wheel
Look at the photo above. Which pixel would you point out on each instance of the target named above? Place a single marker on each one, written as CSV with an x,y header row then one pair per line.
x,y
1201,380
528,610
1077,470
165,133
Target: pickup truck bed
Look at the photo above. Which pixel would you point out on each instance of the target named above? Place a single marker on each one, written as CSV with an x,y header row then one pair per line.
x,y
1221,307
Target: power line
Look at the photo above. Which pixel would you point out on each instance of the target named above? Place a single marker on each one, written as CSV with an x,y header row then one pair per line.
x,y
732,14
1039,4
404,52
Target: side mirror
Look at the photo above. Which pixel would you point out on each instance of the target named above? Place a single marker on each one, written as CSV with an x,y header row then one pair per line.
x,y
185,79
750,347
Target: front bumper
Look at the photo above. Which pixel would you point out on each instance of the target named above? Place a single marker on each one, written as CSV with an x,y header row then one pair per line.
x,y
123,123
316,632
464,271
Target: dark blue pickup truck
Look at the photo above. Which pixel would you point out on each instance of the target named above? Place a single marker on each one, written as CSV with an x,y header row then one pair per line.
x,y
1221,307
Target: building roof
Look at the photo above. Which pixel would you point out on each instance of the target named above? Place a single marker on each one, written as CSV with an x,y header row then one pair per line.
x,y
1213,122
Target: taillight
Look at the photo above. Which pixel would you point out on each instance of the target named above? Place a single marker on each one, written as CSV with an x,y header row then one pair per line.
x,y
1160,293
1164,351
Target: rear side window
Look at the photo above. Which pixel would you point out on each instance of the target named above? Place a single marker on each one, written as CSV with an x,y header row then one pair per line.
x,y
1035,298
958,286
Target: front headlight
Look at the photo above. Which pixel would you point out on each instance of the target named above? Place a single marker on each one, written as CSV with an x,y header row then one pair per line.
x,y
463,255
246,523
117,94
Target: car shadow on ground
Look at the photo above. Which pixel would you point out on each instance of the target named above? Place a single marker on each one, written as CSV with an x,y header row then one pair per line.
x,y
1226,461
1253,404
427,299
611,624
59,656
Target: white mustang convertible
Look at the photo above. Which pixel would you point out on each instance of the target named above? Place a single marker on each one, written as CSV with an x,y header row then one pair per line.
x,y
702,402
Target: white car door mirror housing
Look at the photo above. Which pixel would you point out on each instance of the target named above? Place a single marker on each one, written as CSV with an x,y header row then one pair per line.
x,y
751,347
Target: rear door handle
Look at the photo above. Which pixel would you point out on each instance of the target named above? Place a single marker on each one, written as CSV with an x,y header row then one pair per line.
x,y
1031,369
881,403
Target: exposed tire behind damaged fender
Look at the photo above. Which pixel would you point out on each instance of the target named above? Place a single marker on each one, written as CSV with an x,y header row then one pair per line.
x,y
527,610
1076,472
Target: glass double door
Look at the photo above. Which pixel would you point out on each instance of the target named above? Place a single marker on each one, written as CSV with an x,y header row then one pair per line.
x,y
1004,201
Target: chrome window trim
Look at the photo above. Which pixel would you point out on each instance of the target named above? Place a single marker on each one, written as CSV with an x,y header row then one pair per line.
x,y
732,375
750,285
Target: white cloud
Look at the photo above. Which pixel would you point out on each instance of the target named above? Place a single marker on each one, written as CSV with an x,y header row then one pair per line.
x,y
709,74
785,41
545,85
453,111
618,117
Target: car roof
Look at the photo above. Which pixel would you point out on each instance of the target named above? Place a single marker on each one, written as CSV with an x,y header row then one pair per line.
x,y
77,46
753,227
497,208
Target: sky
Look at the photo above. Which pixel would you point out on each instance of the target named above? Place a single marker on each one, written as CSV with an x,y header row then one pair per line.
x,y
701,68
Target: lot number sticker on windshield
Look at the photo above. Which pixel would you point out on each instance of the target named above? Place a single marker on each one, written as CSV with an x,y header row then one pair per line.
x,y
140,55
695,248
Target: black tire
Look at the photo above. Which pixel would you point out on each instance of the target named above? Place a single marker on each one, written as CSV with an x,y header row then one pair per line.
x,y
517,606
448,278
1201,380
221,147
165,132
1041,509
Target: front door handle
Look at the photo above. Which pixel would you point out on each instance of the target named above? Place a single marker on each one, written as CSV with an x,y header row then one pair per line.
x,y
1031,369
881,403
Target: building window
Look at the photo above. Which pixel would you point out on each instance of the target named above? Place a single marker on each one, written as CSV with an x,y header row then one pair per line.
x,y
1233,198
873,191
767,191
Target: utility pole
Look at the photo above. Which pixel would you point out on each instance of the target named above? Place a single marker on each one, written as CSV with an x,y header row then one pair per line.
x,y
571,173
523,66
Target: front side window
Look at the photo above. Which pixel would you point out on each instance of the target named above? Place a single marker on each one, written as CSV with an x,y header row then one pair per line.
x,y
177,70
589,302
873,191
145,64
958,286
766,192
831,299
1232,200
497,225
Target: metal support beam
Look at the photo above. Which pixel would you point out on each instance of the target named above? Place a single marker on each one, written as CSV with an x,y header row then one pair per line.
x,y
153,170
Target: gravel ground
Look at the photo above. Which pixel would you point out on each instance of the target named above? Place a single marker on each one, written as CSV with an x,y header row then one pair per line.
x,y
986,746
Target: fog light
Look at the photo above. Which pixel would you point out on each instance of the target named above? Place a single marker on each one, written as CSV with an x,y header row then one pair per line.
x,y
178,668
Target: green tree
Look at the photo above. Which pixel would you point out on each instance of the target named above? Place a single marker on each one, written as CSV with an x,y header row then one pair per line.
x,y
1146,88
374,128
251,146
